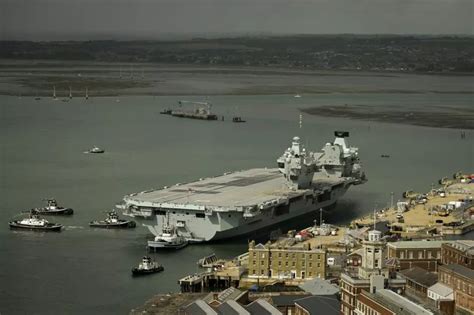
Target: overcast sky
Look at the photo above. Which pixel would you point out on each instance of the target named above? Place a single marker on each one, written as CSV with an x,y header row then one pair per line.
x,y
151,19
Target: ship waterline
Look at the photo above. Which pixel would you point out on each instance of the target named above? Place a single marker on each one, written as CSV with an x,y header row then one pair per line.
x,y
241,203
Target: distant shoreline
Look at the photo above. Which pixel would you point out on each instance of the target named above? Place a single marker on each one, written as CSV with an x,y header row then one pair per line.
x,y
39,77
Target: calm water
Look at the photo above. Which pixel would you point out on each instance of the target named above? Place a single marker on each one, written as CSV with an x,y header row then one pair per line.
x,y
88,271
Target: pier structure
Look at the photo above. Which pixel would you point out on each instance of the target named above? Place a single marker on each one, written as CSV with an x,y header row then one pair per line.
x,y
441,211
228,276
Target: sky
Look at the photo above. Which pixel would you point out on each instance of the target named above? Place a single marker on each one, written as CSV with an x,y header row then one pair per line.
x,y
154,19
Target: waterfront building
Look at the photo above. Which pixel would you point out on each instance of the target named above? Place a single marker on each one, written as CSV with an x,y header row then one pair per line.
x,y
461,280
460,252
372,275
418,281
423,254
387,302
277,261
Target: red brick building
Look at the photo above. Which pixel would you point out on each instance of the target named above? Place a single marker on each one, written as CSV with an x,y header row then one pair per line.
x,y
423,254
459,252
387,302
461,280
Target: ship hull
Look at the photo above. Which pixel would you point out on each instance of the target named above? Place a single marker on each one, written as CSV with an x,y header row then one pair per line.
x,y
153,245
120,225
144,272
229,225
48,228
59,211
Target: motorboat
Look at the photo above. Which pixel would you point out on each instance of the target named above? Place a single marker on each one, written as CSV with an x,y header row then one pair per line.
x,y
96,149
35,223
113,222
237,119
147,267
52,208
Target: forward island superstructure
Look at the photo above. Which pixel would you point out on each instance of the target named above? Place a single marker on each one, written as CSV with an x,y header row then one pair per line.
x,y
241,203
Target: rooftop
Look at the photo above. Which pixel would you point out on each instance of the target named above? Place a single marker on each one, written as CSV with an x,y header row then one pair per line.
x,y
199,307
464,245
237,189
461,270
287,299
228,294
420,276
319,286
397,303
231,308
416,244
327,305
262,307
441,289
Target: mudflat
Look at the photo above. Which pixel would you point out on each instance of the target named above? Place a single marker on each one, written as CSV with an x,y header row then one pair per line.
x,y
441,117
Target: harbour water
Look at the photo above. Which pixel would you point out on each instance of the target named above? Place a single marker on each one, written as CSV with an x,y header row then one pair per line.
x,y
83,270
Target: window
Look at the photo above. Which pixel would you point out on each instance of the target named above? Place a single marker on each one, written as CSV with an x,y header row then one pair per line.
x,y
263,255
279,263
319,265
293,264
310,264
262,262
319,257
402,255
420,255
200,215
410,254
286,263
279,255
430,255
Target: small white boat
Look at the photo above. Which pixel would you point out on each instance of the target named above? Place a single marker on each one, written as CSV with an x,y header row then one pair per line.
x,y
297,95
95,149
35,223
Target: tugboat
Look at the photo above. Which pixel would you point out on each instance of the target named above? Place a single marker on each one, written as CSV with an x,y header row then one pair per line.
x,y
35,223
113,222
168,238
167,111
237,119
95,149
147,267
53,209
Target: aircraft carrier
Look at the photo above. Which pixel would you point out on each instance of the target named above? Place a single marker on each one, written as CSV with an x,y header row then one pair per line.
x,y
243,202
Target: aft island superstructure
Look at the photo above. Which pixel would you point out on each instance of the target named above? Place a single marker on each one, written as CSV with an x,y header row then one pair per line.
x,y
240,203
